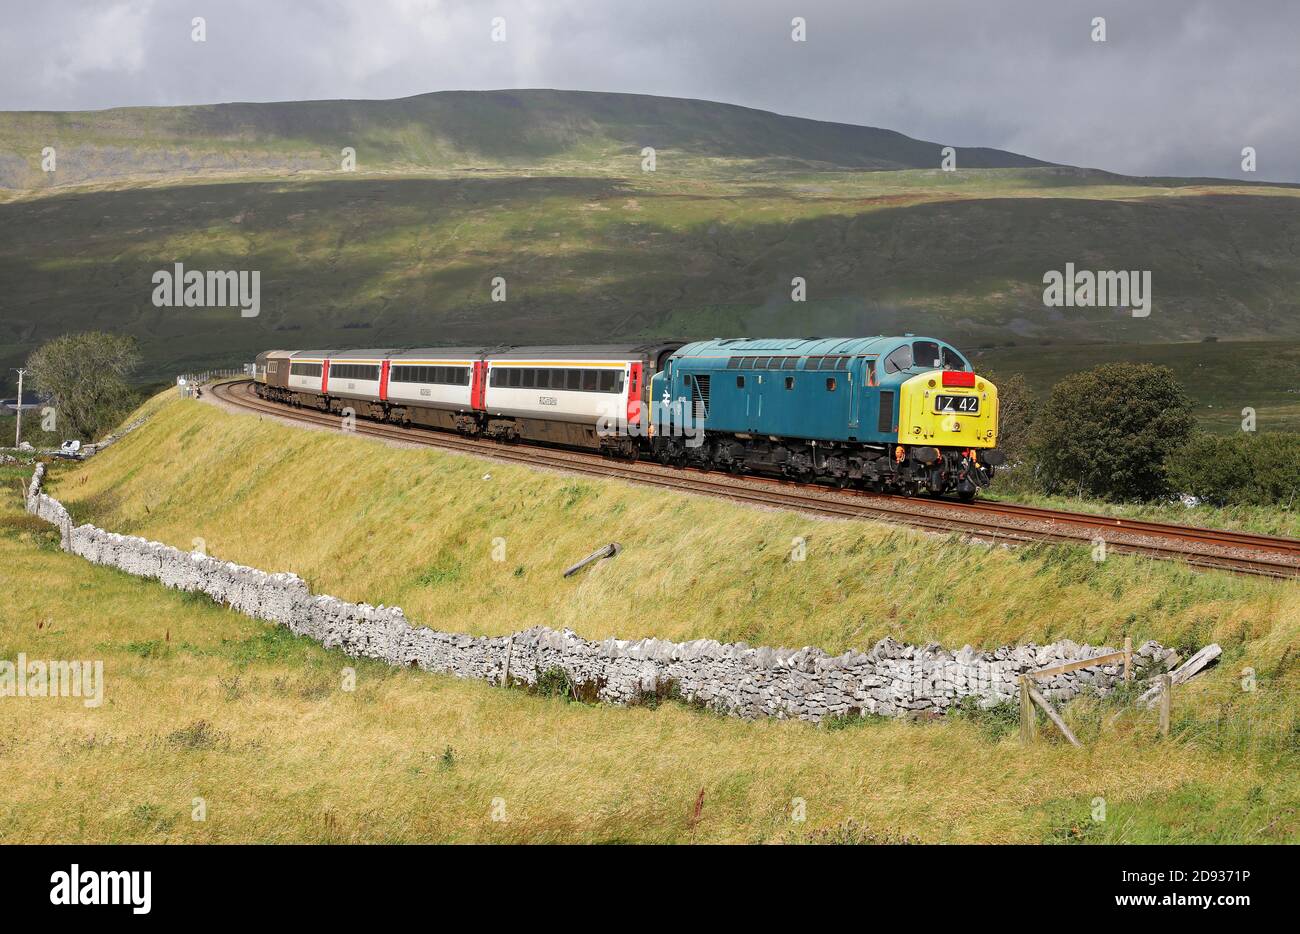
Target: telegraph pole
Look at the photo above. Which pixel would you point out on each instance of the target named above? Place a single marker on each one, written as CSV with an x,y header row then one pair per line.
x,y
18,409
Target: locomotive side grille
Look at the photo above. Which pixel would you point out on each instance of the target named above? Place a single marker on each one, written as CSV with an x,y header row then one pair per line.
x,y
885,420
701,397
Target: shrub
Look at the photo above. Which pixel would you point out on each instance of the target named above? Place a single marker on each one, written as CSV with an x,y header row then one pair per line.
x,y
1016,407
1245,469
1109,431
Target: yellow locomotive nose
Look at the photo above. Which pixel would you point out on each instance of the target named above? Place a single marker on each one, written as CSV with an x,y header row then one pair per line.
x,y
948,407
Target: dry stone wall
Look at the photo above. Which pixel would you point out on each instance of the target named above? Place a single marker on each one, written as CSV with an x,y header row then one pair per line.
x,y
891,679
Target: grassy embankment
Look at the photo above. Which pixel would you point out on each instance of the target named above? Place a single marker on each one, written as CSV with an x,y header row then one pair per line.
x,y
203,702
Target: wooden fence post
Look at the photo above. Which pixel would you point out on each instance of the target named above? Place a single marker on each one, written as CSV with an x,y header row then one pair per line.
x,y
1166,701
505,669
1128,658
1028,724
1052,715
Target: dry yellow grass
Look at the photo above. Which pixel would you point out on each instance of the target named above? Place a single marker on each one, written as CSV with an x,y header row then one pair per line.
x,y
415,528
202,702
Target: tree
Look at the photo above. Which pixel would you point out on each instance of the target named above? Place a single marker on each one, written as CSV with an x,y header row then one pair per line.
x,y
1016,408
85,376
1242,469
1108,431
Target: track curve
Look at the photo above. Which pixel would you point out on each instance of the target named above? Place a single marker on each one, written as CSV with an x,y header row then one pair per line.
x,y
1240,552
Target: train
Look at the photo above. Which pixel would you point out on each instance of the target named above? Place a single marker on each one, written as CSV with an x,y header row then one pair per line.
x,y
902,414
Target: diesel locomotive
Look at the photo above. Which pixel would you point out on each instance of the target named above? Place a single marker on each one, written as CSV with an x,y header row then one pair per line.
x,y
905,414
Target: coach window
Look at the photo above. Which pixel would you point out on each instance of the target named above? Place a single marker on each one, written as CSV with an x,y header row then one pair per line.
x,y
899,359
589,380
606,381
513,375
573,380
830,384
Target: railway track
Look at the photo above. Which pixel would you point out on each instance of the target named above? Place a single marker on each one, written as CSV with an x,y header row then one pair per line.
x,y
1240,552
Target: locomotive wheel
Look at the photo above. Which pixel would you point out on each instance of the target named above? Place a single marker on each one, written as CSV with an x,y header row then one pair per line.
x,y
967,496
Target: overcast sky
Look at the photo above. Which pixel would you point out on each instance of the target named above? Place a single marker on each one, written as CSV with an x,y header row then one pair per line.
x,y
1178,88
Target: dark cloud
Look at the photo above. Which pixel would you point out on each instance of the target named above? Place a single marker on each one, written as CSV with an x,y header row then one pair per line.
x,y
1178,88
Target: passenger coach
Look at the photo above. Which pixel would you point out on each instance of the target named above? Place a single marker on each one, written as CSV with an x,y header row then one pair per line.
x,y
576,396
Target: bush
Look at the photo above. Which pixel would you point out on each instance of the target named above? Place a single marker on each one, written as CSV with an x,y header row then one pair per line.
x,y
1244,469
1109,431
1016,407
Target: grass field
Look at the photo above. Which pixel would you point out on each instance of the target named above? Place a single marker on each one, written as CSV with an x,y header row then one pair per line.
x,y
201,702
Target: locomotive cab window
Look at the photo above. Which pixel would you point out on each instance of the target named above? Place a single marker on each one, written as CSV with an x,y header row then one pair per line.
x,y
953,360
830,384
740,382
789,382
899,359
926,354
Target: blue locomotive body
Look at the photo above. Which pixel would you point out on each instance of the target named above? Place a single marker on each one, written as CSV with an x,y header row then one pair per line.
x,y
828,409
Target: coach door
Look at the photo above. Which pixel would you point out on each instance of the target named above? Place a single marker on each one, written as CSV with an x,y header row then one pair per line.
x,y
478,386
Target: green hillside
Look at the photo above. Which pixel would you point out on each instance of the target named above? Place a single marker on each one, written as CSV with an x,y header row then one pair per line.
x,y
546,190
449,130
